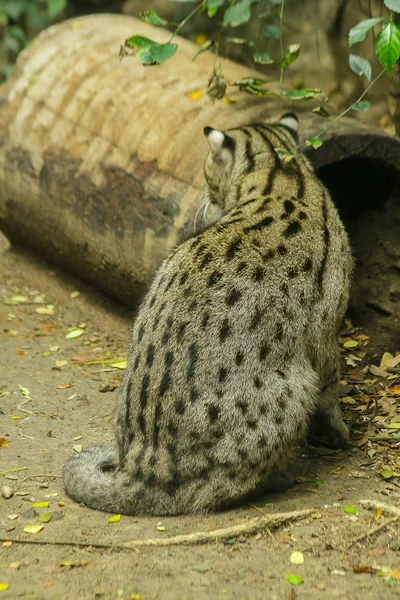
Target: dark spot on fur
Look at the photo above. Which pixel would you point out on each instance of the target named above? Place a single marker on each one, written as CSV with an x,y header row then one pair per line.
x,y
241,266
307,265
213,412
264,351
257,382
302,215
172,430
183,278
181,331
233,248
243,454
156,322
280,373
206,260
285,289
179,407
258,274
269,254
225,330
165,337
292,272
293,228
165,382
223,371
170,282
243,406
141,333
288,206
136,363
194,394
239,358
192,361
233,297
255,319
205,320
251,424
281,249
214,278
150,355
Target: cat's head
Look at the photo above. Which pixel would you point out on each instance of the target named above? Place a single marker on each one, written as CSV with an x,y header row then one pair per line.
x,y
236,152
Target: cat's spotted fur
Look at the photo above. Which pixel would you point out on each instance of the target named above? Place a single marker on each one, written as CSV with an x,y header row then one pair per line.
x,y
234,350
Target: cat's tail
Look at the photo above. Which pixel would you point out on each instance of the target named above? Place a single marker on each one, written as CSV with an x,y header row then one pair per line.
x,y
86,480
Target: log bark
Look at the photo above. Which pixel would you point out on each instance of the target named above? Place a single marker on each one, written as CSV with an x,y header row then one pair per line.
x,y
101,161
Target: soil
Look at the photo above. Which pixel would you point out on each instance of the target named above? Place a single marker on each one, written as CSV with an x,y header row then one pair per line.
x,y
64,407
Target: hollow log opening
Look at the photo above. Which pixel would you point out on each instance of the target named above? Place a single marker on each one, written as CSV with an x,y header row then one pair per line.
x,y
367,194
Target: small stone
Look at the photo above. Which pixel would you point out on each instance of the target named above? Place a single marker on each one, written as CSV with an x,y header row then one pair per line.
x,y
30,514
107,387
7,492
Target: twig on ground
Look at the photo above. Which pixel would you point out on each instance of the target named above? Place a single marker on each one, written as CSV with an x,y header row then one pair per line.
x,y
199,537
393,510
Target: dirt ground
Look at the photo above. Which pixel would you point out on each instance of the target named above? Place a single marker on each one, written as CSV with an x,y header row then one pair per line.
x,y
52,403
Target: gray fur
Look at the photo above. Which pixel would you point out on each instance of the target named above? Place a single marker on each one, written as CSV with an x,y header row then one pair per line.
x,y
234,349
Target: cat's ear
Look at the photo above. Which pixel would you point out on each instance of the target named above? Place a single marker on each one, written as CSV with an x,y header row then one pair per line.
x,y
221,145
291,122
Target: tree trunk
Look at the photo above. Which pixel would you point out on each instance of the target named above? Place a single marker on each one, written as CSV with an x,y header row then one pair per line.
x,y
101,161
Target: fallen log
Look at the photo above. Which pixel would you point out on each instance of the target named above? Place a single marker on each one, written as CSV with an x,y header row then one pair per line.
x,y
101,161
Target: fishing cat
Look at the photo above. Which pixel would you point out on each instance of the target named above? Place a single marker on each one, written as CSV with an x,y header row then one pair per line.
x,y
234,351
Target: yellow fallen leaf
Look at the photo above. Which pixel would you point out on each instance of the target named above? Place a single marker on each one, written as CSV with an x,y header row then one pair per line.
x,y
44,310
61,503
44,518
67,563
13,517
195,95
32,529
7,544
15,417
54,348
3,587
386,359
160,528
3,442
297,558
40,505
228,100
120,365
74,333
74,294
61,363
77,447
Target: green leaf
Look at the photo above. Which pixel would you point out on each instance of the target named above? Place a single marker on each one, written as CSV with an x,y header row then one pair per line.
x,y
250,85
206,46
150,52
237,14
392,5
114,519
386,474
303,94
151,17
360,66
358,33
24,390
3,18
262,58
214,5
387,46
361,106
294,579
138,43
162,52
294,53
272,31
55,7
350,344
350,510
314,142
321,112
